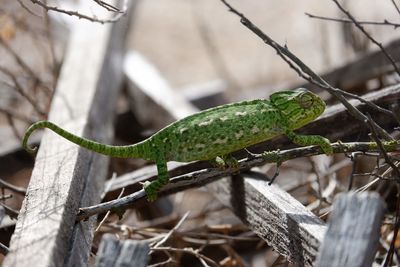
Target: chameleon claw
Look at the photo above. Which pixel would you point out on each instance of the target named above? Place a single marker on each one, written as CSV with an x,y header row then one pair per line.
x,y
150,192
218,162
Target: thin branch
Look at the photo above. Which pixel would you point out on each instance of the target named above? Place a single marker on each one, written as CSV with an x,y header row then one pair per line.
x,y
189,251
108,212
14,129
396,6
107,6
22,4
318,180
212,49
9,211
119,15
204,176
374,136
20,61
303,70
21,91
15,115
4,249
389,256
176,227
361,28
361,22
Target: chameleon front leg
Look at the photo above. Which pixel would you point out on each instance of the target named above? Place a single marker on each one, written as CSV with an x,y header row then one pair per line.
x,y
151,188
308,140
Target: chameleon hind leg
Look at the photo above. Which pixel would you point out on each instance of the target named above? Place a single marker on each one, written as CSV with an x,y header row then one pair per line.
x,y
151,188
308,140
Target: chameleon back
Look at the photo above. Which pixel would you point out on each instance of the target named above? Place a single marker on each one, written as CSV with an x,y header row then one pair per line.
x,y
219,131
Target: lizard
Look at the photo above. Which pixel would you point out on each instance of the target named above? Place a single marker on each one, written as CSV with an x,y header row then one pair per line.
x,y
213,133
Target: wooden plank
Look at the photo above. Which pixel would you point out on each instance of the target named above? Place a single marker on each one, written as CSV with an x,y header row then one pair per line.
x,y
148,90
352,237
274,215
66,176
206,95
269,211
122,253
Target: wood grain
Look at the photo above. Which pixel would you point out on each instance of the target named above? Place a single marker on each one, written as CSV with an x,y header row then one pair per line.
x,y
66,176
122,253
274,215
353,233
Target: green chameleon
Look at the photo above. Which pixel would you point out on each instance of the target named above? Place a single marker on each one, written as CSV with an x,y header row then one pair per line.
x,y
214,133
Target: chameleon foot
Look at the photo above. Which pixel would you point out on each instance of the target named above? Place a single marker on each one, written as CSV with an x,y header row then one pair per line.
x,y
151,192
226,161
231,162
218,162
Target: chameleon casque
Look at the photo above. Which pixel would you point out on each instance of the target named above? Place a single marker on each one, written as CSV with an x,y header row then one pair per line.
x,y
214,132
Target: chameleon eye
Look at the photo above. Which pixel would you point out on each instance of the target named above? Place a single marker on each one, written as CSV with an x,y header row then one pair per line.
x,y
306,100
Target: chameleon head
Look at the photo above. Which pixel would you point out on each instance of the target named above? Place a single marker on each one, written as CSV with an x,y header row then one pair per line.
x,y
298,107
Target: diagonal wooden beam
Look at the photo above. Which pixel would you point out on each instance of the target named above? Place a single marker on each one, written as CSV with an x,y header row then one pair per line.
x,y
67,176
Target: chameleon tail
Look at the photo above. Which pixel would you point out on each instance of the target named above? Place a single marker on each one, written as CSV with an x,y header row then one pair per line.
x,y
135,151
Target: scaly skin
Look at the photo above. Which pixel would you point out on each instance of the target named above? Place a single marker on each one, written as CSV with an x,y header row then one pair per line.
x,y
215,132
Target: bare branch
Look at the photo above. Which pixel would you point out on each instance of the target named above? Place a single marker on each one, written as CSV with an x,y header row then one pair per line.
x,y
361,22
120,13
304,71
396,6
361,28
21,91
16,189
202,177
190,251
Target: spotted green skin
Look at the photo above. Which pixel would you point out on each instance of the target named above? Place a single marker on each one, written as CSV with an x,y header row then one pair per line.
x,y
214,132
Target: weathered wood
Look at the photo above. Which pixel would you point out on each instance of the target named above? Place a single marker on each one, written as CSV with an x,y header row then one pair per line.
x,y
67,176
148,90
206,95
352,237
122,253
272,213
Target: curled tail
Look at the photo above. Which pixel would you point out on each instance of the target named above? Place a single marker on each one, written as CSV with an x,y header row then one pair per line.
x,y
138,150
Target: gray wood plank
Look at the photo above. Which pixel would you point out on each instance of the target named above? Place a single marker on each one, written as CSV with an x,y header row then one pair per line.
x,y
148,90
66,176
122,253
352,237
269,211
274,215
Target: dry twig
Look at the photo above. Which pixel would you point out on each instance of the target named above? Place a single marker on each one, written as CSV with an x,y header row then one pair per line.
x,y
361,28
119,12
306,72
201,177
